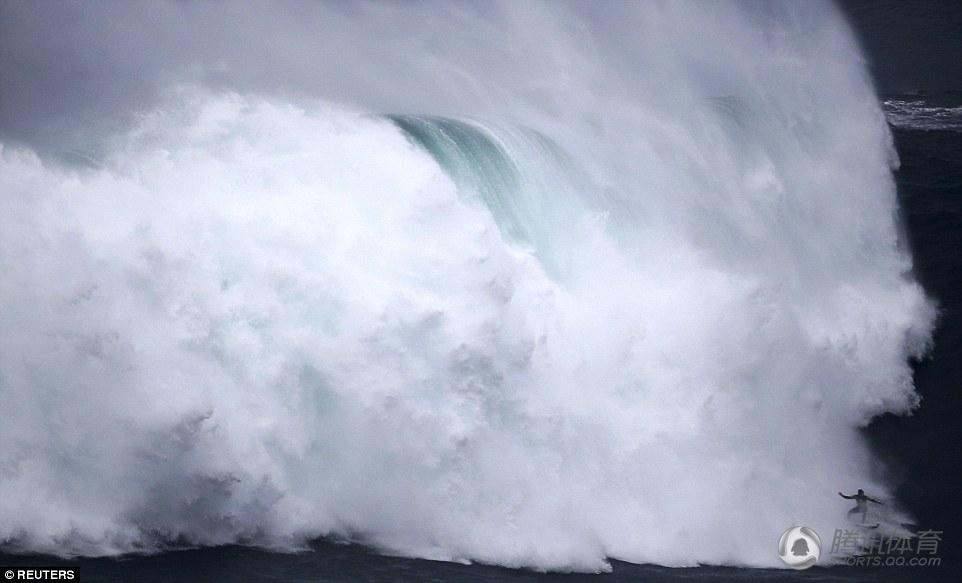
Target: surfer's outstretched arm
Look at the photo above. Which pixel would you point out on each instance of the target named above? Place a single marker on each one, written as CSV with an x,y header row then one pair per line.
x,y
876,501
846,497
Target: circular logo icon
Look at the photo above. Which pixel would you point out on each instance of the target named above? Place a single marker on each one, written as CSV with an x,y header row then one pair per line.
x,y
799,547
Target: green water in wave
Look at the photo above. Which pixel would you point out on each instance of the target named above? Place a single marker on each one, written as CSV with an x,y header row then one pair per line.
x,y
526,181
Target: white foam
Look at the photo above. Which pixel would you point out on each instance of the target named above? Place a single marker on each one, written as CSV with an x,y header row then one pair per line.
x,y
258,322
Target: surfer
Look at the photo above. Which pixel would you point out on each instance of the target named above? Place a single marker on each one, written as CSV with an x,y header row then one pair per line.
x,y
861,503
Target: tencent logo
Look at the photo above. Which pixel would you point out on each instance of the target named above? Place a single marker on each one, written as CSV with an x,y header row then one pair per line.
x,y
799,547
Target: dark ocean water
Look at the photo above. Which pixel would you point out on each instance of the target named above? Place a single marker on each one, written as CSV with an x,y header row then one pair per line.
x,y
335,563
921,452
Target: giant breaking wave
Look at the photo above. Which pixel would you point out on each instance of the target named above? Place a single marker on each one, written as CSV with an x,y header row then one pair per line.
x,y
533,294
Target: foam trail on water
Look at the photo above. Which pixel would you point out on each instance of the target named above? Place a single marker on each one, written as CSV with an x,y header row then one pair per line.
x,y
578,285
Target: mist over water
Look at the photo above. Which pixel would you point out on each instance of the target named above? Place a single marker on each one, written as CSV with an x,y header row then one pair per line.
x,y
529,284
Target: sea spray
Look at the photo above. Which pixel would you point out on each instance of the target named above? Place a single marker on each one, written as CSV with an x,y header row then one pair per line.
x,y
644,320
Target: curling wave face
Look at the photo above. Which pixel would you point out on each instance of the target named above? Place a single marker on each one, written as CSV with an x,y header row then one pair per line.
x,y
642,320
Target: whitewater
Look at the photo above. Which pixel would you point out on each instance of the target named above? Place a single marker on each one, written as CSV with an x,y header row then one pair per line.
x,y
531,284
